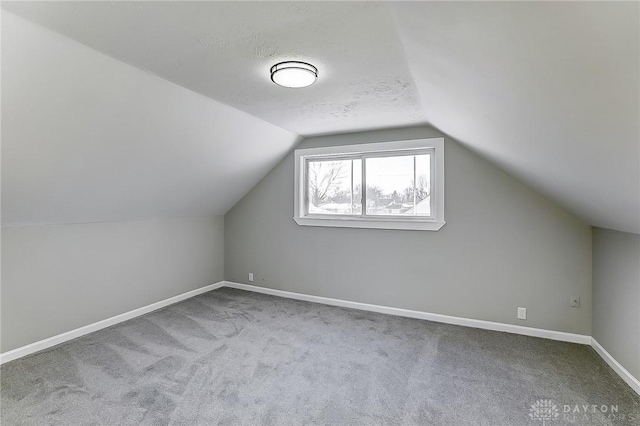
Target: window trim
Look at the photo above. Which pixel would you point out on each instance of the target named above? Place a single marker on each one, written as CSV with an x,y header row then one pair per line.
x,y
435,146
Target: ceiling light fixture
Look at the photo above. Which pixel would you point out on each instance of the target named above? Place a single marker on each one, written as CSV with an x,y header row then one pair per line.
x,y
294,74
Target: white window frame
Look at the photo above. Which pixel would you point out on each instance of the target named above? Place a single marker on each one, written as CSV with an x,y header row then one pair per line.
x,y
433,146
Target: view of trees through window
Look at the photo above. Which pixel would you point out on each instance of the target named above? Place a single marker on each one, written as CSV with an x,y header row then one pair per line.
x,y
398,185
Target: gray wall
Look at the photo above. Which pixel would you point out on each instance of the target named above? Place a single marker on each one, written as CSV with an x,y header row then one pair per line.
x,y
616,296
60,277
503,246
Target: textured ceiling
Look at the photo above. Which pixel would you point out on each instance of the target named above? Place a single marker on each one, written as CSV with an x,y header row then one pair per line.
x,y
224,50
547,90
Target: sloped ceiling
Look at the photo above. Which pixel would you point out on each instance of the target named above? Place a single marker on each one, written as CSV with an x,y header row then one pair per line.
x,y
86,138
224,50
548,91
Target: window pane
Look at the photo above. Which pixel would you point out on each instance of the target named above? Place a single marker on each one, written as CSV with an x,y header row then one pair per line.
x,y
423,186
333,187
390,185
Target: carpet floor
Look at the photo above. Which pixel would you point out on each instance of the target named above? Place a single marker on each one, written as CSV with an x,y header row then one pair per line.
x,y
241,358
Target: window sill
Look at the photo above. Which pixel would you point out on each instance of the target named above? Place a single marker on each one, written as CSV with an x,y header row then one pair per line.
x,y
417,225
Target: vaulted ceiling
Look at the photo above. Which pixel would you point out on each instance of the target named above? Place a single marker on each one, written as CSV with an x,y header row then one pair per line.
x,y
548,91
224,50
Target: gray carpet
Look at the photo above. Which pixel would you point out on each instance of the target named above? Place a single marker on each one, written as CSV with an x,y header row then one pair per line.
x,y
234,357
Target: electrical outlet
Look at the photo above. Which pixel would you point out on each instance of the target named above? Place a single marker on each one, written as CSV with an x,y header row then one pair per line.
x,y
522,313
250,277
574,302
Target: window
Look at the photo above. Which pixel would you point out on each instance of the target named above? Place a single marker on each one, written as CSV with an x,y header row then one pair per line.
x,y
403,185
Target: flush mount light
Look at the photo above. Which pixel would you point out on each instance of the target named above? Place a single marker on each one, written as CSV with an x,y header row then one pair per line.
x,y
294,74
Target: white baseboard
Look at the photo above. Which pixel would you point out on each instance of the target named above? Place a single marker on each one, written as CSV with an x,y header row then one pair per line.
x,y
616,366
73,334
467,322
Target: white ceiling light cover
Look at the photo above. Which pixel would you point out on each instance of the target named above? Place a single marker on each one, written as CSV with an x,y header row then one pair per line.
x,y
294,74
